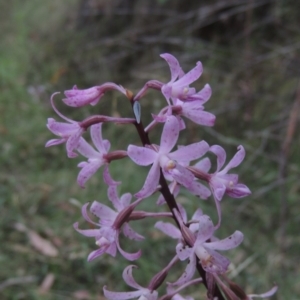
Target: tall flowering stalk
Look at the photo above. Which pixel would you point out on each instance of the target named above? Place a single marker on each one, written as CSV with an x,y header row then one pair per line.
x,y
170,171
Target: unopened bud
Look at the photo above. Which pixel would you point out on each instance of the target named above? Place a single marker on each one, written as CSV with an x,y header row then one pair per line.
x,y
157,280
129,94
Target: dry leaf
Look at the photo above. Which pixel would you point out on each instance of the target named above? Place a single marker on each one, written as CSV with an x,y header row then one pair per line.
x,y
46,284
42,245
82,295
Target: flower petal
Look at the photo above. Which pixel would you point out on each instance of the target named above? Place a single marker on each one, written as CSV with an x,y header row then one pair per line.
x,y
188,272
87,171
205,93
85,149
96,135
86,232
206,229
236,160
198,189
151,182
238,191
128,277
168,229
131,234
229,243
184,252
55,142
191,76
203,165
182,176
94,254
169,135
107,178
121,295
173,64
103,212
128,256
142,156
270,293
221,155
190,152
194,111
73,142
216,264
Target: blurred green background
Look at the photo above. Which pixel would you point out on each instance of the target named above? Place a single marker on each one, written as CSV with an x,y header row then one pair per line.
x,y
250,51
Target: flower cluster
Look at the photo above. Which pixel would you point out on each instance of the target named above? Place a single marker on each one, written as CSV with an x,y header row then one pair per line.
x,y
172,169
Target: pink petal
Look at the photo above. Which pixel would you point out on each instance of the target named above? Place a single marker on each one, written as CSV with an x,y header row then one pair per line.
x,y
217,264
112,194
121,295
77,98
238,191
107,178
131,234
103,212
88,171
198,189
184,252
128,278
62,129
125,199
141,156
229,243
270,293
182,212
191,76
218,189
173,64
206,229
168,229
86,232
182,175
96,135
73,142
55,142
203,165
190,152
85,149
167,92
221,155
94,254
205,93
236,160
169,135
128,256
112,249
85,214
188,272
151,182
197,115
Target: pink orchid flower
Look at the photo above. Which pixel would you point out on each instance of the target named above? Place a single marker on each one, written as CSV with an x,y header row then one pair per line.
x,y
221,182
77,98
160,157
111,223
69,133
140,293
96,159
204,247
